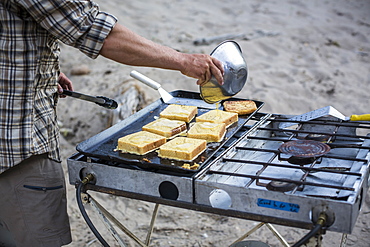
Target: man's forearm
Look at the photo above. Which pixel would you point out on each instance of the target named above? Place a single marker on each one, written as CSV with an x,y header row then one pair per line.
x,y
124,46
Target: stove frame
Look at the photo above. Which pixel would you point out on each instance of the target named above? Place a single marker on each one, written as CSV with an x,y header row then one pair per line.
x,y
208,190
197,193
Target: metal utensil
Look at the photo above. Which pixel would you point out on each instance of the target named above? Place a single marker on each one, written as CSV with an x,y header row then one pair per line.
x,y
167,97
324,111
229,54
100,100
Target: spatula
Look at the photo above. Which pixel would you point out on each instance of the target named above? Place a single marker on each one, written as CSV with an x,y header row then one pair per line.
x,y
325,111
167,97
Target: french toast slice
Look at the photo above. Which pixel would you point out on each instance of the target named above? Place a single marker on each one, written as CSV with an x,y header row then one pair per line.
x,y
242,107
182,148
140,143
165,127
211,132
218,116
184,113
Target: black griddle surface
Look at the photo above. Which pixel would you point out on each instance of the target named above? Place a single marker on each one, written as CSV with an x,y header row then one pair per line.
x,y
103,145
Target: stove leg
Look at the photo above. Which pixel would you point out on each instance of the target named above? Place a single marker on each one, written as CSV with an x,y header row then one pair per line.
x,y
150,231
106,222
277,234
105,214
343,240
272,229
249,232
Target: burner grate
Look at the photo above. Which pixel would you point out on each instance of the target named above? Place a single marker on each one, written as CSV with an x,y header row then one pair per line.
x,y
256,166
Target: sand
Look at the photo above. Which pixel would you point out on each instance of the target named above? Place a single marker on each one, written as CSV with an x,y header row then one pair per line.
x,y
301,56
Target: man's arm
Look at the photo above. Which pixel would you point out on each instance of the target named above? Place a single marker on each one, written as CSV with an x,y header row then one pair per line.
x,y
124,46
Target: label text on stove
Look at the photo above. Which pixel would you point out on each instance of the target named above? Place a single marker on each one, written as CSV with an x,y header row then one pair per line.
x,y
291,207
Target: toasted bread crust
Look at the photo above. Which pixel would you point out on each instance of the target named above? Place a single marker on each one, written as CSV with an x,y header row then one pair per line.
x,y
165,127
182,148
211,132
218,116
140,143
242,107
179,112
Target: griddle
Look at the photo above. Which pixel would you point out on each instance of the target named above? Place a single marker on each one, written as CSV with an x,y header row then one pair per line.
x,y
103,145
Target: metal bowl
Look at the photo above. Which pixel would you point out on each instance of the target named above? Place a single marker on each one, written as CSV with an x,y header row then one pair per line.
x,y
235,76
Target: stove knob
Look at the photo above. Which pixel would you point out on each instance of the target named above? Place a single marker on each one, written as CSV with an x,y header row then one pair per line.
x,y
317,210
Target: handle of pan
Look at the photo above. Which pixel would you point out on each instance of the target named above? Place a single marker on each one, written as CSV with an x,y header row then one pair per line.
x,y
146,80
363,117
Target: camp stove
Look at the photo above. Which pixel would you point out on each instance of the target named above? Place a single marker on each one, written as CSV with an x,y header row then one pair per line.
x,y
261,172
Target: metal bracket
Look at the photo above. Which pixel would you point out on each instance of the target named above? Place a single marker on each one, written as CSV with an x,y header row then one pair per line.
x,y
272,229
108,219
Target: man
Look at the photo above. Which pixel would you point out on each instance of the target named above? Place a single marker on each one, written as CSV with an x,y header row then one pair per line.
x,y
32,186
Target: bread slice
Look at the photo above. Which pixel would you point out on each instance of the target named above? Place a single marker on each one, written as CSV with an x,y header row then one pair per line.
x,y
182,148
165,127
140,143
211,132
179,112
218,116
242,107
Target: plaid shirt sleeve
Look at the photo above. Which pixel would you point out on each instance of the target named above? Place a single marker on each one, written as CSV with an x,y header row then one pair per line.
x,y
29,69
76,23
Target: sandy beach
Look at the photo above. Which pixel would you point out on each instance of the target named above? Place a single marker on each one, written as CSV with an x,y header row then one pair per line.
x,y
301,56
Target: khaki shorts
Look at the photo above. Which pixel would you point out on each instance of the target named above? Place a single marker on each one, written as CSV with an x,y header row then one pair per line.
x,y
33,204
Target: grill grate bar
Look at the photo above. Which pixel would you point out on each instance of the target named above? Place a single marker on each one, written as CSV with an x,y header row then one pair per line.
x,y
298,183
357,124
357,146
269,138
313,132
259,149
332,145
277,152
291,166
344,158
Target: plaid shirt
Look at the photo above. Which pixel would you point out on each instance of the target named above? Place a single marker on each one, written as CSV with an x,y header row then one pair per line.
x,y
29,69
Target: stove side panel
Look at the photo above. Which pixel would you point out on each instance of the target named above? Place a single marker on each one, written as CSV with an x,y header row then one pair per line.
x,y
288,208
135,181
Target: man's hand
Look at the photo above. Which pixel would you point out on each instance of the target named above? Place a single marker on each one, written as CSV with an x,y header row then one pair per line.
x,y
64,83
203,67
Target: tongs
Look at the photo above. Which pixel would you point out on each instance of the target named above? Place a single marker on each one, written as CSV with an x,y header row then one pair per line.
x,y
100,100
